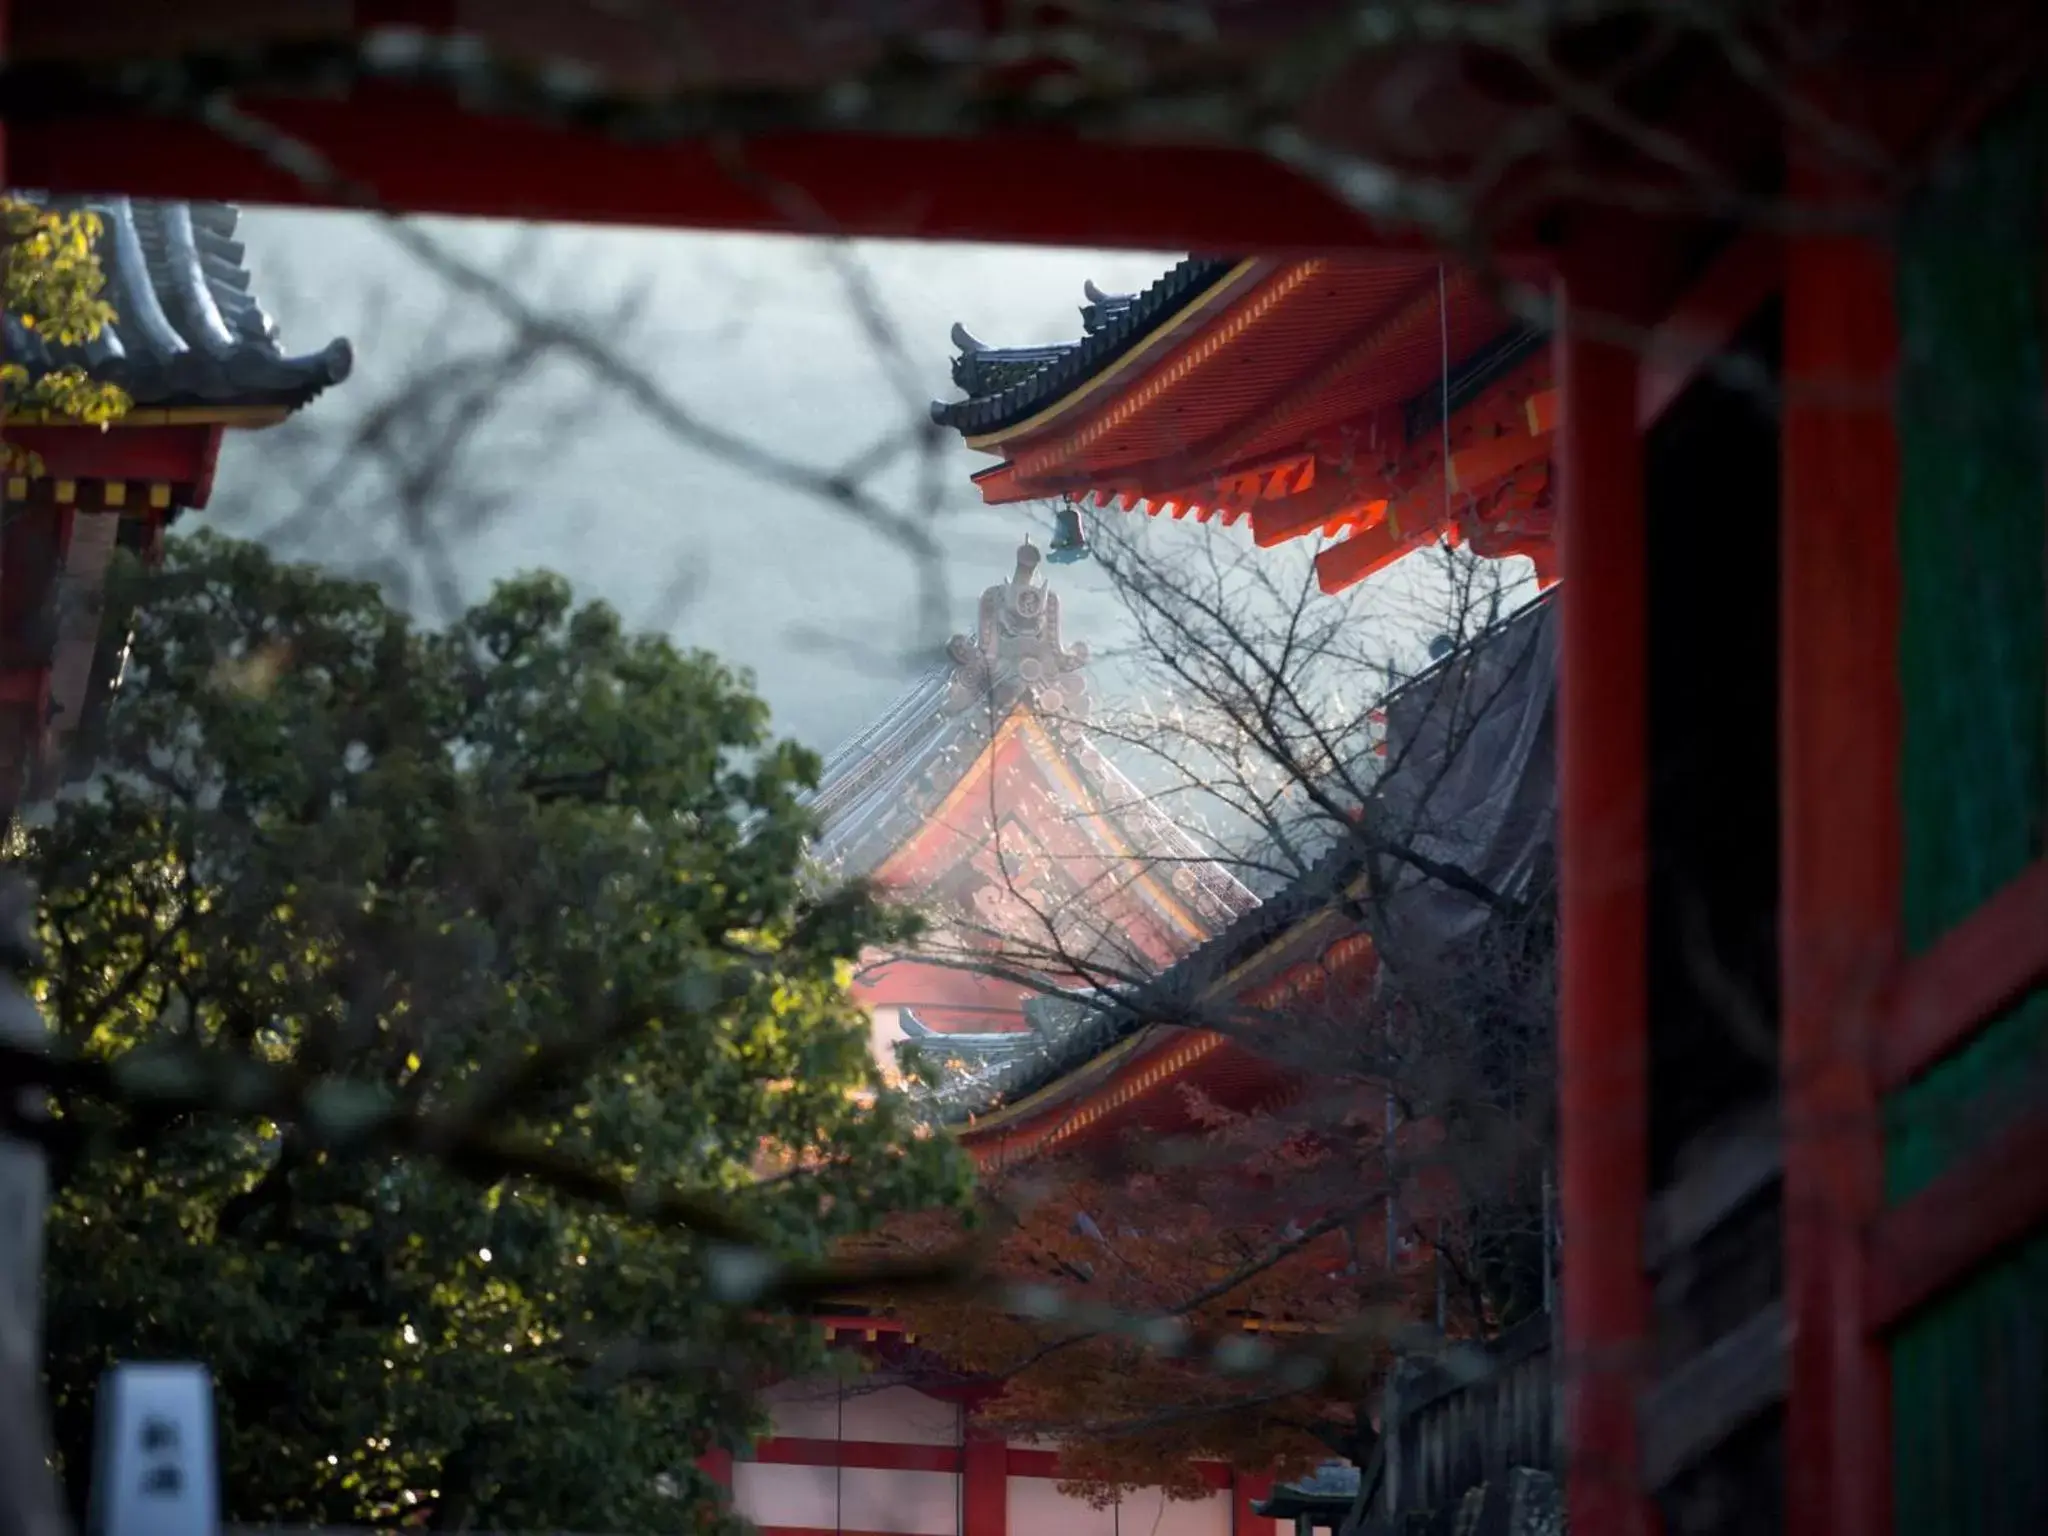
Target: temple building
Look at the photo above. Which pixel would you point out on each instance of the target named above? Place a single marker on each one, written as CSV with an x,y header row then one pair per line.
x,y
1472,777
980,797
198,358
1803,646
1306,396
1377,404
902,1451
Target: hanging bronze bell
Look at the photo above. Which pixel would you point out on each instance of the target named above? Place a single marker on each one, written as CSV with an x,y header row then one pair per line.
x,y
1069,536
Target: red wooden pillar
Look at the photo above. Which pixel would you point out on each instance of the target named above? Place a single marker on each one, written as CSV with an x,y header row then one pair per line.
x,y
1603,991
34,546
985,1487
1840,850
717,1465
1245,1489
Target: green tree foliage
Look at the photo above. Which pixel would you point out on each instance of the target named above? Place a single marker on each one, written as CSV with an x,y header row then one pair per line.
x,y
530,878
51,282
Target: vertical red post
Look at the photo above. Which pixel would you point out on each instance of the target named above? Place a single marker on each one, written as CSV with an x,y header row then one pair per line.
x,y
984,1487
1841,856
1603,1048
1245,1489
716,1465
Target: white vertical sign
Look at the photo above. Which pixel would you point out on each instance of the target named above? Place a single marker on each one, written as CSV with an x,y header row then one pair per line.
x,y
154,1474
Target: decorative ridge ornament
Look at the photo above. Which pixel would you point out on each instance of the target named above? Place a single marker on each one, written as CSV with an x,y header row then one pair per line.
x,y
1015,655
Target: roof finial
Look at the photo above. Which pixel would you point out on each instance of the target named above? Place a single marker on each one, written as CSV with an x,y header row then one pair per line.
x,y
1027,563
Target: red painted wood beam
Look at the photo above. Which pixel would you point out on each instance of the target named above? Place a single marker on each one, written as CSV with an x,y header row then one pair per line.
x,y
178,455
1956,1226
1334,494
1706,320
1603,1045
1979,969
1840,860
1369,550
1025,187
1480,465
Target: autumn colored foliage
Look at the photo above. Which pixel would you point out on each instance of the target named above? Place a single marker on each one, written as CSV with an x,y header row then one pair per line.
x,y
1232,1230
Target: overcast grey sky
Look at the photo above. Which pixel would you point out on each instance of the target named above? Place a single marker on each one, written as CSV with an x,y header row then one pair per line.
x,y
757,334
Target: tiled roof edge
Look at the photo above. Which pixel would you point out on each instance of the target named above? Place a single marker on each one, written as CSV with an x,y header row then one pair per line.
x,y
1118,332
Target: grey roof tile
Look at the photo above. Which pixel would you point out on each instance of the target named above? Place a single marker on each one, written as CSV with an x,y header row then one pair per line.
x,y
187,332
1004,385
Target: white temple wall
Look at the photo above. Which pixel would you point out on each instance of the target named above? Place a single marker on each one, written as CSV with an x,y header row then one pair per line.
x,y
893,1461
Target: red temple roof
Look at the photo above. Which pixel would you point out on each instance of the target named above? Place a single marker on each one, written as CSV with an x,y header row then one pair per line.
x,y
979,795
1315,395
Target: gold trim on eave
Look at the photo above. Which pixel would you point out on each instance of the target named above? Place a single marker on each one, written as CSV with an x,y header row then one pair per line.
x,y
1105,1065
164,416
1206,300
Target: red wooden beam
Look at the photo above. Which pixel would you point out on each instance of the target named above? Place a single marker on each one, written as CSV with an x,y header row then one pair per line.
x,y
1483,463
1980,968
1369,550
1957,1225
1839,721
179,455
857,1321
1706,320
1334,493
1026,187
1603,1048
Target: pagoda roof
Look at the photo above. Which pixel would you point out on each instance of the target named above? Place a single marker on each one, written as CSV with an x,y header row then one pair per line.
x,y
878,792
872,794
1006,385
1072,1036
188,332
1391,300
1391,398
